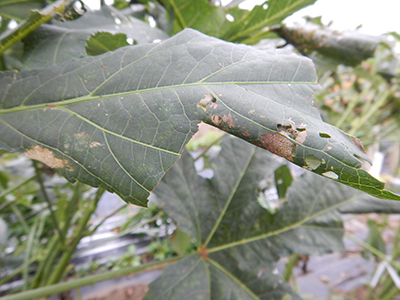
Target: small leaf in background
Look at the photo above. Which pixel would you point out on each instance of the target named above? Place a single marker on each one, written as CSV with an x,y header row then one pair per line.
x,y
283,179
243,26
102,42
249,26
3,233
180,242
19,10
196,14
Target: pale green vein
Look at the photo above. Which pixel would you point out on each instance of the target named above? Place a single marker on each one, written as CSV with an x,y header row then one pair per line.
x,y
228,201
281,230
105,96
241,285
267,21
121,166
194,208
115,134
180,279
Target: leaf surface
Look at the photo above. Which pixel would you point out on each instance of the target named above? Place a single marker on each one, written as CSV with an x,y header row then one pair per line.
x,y
122,119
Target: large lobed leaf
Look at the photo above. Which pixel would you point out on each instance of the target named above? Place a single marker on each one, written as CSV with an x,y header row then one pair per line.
x,y
239,241
122,119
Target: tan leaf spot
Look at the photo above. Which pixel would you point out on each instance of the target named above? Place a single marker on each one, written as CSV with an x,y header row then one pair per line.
x,y
301,136
278,144
216,119
47,157
230,121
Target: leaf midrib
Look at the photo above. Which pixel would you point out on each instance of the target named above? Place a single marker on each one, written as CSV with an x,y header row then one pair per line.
x,y
104,96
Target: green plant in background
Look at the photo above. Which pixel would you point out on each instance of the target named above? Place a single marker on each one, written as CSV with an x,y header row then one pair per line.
x,y
119,120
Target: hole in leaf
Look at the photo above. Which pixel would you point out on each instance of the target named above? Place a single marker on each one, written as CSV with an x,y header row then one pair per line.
x,y
205,101
312,162
230,18
284,127
152,22
324,135
331,175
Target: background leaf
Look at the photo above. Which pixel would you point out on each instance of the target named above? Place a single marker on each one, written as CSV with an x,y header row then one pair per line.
x,y
198,14
63,41
248,27
238,241
243,25
19,9
103,42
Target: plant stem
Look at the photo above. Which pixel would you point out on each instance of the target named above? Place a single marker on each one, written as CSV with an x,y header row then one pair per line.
x,y
35,19
78,234
179,16
12,189
352,104
228,202
47,259
31,237
71,208
387,289
371,249
107,217
288,271
127,231
90,280
371,112
204,151
49,204
20,218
